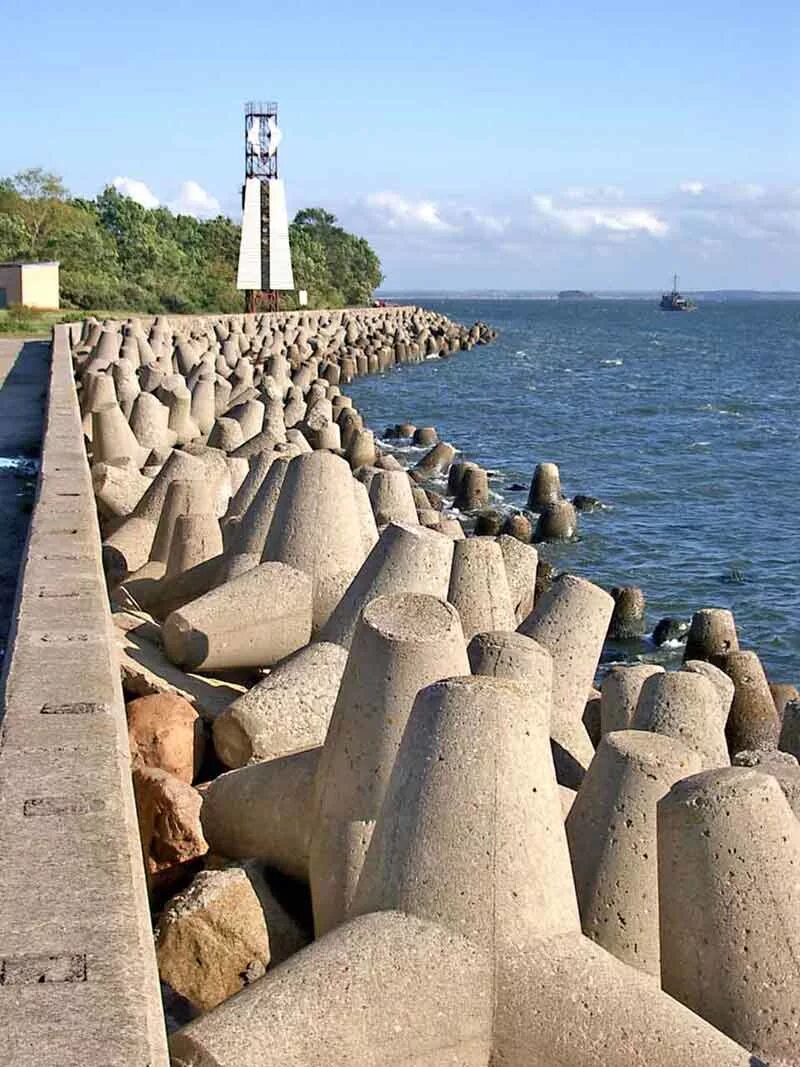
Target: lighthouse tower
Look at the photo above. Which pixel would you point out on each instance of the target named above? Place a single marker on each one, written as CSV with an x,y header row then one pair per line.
x,y
265,259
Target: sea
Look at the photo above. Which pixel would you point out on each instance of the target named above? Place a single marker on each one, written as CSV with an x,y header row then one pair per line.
x,y
684,426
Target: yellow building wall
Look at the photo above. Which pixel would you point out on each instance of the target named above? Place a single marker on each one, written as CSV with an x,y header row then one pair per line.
x,y
40,285
11,281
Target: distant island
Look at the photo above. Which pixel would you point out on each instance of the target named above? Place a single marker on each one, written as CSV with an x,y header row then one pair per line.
x,y
575,294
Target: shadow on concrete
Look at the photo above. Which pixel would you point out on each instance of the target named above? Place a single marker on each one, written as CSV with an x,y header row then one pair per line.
x,y
24,372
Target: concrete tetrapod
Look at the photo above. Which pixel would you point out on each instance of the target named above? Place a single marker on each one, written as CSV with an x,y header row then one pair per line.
x,y
438,459
202,408
150,422
112,437
183,498
473,490
729,885
712,634
316,528
611,829
455,475
406,559
570,620
685,705
118,487
287,711
471,833
170,594
557,522
366,520
515,657
545,486
258,468
265,441
263,811
566,1002
391,497
250,536
789,738
718,678
479,588
384,990
254,620
195,539
627,620
471,830
753,722
620,693
180,418
401,644
128,547
521,561
781,765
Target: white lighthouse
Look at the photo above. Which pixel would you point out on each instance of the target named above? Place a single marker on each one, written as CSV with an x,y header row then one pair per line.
x,y
265,259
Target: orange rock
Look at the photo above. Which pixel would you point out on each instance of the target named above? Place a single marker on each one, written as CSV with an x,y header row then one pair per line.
x,y
165,732
169,825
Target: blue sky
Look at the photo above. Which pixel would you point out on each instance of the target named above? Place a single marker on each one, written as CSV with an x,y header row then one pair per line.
x,y
475,144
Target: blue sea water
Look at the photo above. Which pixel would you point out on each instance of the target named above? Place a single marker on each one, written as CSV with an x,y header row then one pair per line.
x,y
684,425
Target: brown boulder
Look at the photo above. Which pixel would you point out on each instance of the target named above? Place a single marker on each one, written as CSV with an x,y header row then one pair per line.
x,y
169,825
165,732
211,939
782,694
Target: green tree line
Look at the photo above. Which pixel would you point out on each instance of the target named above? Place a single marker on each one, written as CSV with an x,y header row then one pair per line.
x,y
114,253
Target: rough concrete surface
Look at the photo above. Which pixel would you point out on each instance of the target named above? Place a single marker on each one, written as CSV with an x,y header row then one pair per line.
x,y
79,975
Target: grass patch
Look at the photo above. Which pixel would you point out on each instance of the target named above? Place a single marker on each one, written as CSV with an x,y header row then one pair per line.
x,y
19,321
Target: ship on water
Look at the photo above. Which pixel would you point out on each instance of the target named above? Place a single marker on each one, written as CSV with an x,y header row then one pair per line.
x,y
674,301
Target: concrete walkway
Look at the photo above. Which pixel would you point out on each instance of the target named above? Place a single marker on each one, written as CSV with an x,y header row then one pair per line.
x,y
24,367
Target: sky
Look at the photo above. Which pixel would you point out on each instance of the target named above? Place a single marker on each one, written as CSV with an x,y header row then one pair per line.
x,y
513,144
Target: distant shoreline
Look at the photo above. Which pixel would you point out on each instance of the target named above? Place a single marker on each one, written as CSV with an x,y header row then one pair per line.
x,y
710,295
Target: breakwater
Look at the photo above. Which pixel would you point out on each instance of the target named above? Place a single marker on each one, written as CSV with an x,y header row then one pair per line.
x,y
349,722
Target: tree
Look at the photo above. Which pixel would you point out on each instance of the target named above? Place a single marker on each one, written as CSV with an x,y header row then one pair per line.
x,y
316,216
116,254
37,193
90,274
353,270
14,237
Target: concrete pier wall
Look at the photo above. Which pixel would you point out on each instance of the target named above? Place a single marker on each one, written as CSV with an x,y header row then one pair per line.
x,y
78,978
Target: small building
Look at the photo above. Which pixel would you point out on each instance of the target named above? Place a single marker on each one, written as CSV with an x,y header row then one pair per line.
x,y
35,285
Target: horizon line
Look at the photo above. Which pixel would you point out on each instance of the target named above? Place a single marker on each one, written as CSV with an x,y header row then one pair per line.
x,y
587,293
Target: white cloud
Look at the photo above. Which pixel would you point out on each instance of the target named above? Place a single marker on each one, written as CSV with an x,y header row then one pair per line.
x,y
603,192
136,190
732,234
694,212
747,191
598,218
192,199
490,224
397,212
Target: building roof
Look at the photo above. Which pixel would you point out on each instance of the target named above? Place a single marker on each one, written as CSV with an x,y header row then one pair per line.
x,y
23,263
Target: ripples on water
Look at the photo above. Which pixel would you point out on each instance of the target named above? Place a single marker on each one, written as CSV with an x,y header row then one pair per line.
x,y
684,425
